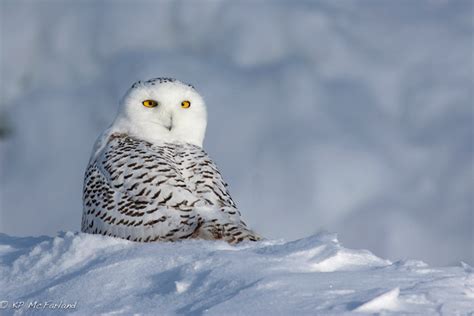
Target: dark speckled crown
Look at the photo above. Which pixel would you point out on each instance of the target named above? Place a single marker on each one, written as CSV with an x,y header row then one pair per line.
x,y
158,80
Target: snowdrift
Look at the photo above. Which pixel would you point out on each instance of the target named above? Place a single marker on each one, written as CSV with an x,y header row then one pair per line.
x,y
88,274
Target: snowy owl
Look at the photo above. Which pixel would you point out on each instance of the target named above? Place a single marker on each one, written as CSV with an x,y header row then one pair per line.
x,y
149,179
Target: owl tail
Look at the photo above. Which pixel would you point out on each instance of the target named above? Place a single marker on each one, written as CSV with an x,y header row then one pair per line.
x,y
232,233
239,233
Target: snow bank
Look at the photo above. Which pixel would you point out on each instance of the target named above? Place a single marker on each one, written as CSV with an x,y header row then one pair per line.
x,y
99,274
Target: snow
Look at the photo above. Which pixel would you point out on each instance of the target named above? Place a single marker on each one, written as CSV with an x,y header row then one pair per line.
x,y
314,275
387,301
323,115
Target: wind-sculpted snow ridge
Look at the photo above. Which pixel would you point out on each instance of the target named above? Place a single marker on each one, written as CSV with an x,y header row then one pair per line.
x,y
90,274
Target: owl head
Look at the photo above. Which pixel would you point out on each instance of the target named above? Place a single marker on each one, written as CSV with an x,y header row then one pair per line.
x,y
163,110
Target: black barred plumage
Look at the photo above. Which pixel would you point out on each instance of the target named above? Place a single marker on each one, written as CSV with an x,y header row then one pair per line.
x,y
139,191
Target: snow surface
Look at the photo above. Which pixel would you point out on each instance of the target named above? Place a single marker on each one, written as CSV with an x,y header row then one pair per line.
x,y
347,116
310,276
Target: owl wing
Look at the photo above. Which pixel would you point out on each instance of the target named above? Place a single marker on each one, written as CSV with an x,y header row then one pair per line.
x,y
143,192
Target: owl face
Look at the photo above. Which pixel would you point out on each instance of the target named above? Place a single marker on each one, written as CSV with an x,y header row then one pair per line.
x,y
163,110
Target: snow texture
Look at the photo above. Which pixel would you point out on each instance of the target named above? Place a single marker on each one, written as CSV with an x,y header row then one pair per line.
x,y
347,116
310,276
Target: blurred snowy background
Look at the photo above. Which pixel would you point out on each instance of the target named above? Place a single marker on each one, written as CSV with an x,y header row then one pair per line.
x,y
353,117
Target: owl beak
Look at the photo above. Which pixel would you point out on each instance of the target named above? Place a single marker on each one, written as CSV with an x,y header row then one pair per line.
x,y
170,126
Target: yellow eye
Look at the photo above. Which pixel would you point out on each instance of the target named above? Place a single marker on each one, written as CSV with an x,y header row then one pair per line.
x,y
150,103
185,104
